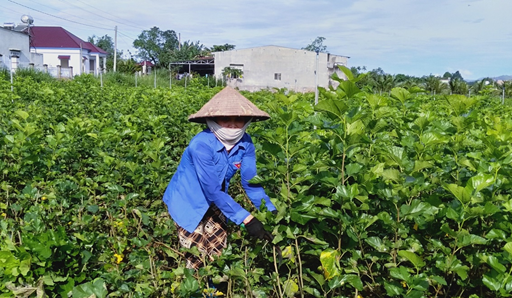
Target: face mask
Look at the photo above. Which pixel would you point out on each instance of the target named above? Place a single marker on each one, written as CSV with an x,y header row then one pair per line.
x,y
227,136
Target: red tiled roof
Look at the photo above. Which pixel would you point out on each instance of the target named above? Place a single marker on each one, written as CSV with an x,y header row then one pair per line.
x,y
58,37
147,63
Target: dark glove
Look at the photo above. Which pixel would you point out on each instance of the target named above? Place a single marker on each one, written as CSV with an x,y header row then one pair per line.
x,y
255,229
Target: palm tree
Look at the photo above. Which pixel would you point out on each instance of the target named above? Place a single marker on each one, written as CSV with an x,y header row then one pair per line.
x,y
507,85
434,85
458,86
382,82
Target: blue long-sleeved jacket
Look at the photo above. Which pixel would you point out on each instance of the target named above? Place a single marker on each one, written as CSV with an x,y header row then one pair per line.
x,y
197,183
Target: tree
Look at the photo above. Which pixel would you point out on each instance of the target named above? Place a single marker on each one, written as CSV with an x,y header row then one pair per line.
x,y
222,48
357,70
458,86
434,85
484,87
105,43
457,75
187,51
156,46
317,45
447,75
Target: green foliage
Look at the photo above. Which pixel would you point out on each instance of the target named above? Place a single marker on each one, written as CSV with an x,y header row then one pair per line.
x,y
230,72
156,45
317,45
33,74
222,48
392,195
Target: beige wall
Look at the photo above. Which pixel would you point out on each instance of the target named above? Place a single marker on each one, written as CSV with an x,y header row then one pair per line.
x,y
297,68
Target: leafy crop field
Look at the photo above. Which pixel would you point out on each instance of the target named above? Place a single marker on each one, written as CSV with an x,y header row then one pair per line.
x,y
395,195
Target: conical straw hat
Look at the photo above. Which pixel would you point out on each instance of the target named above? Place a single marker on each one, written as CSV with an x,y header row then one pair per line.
x,y
228,102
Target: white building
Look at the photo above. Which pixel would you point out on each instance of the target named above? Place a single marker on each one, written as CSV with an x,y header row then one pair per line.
x,y
65,51
270,67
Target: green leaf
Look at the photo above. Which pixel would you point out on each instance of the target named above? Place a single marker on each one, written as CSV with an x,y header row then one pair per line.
x,y
347,192
257,180
412,257
391,174
495,264
461,193
496,234
24,267
375,101
349,88
401,94
24,115
313,291
330,263
348,73
491,282
421,164
9,138
464,239
318,277
334,107
301,218
481,181
400,273
508,248
431,139
439,280
355,128
377,243
393,289
353,280
96,287
93,208
290,288
462,271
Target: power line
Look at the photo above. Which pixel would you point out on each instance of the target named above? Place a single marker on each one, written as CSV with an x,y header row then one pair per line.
x,y
131,38
94,13
117,21
60,17
53,8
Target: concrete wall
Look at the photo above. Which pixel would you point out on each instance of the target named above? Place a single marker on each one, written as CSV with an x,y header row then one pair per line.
x,y
261,65
17,40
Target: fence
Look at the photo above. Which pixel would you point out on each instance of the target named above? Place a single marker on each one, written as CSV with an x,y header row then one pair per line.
x,y
54,71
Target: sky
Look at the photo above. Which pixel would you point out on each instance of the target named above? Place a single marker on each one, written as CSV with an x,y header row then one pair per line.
x,y
412,37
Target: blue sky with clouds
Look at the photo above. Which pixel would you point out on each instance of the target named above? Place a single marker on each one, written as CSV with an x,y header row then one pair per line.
x,y
414,37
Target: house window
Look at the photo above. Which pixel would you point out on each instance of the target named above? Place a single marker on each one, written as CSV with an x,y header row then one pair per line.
x,y
237,71
277,76
64,60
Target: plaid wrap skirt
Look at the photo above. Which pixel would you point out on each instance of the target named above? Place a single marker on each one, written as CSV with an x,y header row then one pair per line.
x,y
210,237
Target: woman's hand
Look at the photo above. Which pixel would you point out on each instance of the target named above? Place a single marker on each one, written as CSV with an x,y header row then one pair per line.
x,y
255,229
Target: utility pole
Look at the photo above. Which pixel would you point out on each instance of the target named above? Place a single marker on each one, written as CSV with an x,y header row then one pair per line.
x,y
81,60
316,79
115,48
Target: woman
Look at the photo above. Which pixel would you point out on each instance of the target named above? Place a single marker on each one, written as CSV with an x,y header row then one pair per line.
x,y
197,197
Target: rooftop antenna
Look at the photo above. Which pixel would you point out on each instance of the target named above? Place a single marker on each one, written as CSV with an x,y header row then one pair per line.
x,y
26,19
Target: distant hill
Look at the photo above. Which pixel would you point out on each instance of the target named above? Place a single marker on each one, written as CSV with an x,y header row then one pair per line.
x,y
503,78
